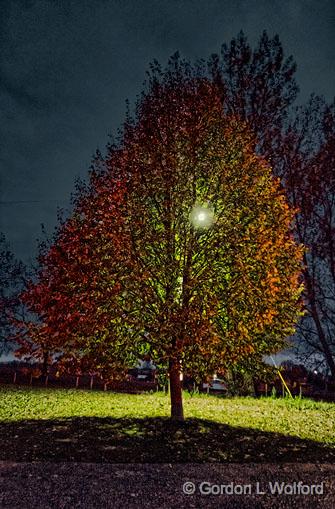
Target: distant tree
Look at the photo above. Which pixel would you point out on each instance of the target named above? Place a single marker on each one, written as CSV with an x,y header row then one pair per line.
x,y
182,246
259,87
13,275
309,169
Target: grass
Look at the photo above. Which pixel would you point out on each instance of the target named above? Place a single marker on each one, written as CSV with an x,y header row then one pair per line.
x,y
103,426
302,418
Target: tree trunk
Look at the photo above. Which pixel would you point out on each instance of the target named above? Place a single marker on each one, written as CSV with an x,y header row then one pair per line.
x,y
323,340
45,364
177,413
315,315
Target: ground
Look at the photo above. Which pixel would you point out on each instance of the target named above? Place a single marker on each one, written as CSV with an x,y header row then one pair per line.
x,y
72,445
158,486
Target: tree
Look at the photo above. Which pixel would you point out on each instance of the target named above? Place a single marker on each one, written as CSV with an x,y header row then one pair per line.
x,y
258,85
309,180
70,295
182,247
13,275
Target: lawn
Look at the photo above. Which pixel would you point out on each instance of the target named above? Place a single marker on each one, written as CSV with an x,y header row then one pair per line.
x,y
77,425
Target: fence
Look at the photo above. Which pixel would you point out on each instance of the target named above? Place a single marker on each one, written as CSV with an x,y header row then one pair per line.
x,y
26,376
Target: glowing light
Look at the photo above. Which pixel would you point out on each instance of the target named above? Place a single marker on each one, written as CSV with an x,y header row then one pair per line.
x,y
202,216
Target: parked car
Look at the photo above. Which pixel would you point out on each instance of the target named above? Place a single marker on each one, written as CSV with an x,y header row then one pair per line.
x,y
142,375
215,384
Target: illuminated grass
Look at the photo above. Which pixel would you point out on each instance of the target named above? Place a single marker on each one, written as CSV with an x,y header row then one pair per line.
x,y
298,418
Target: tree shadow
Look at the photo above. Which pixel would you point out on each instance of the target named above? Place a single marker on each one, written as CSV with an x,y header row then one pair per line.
x,y
152,440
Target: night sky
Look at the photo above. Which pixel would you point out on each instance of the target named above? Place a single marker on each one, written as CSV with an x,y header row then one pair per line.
x,y
67,68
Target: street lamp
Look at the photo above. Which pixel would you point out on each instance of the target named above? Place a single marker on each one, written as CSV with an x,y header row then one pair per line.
x,y
202,217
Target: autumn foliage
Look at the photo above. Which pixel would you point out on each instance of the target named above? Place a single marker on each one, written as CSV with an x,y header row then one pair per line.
x,y
130,274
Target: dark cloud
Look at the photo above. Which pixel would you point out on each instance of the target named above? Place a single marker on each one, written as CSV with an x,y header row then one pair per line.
x,y
67,68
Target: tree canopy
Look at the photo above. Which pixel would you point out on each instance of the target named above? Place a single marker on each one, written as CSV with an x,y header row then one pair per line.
x,y
181,247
